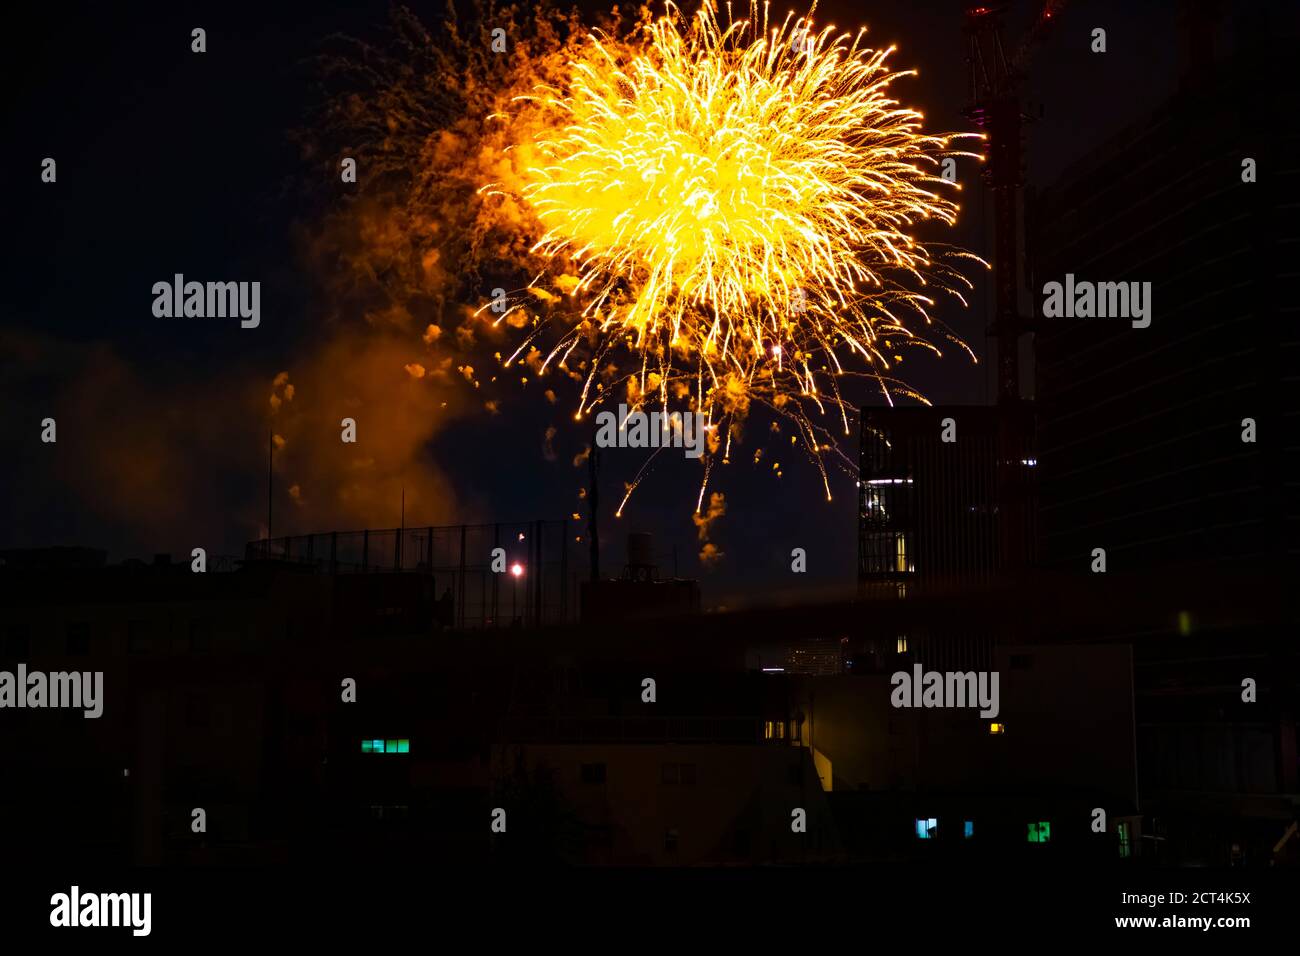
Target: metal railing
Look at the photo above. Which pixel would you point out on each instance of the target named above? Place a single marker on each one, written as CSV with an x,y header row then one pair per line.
x,y
616,729
537,586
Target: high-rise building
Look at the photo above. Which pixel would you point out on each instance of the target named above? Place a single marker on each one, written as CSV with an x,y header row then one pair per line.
x,y
1171,439
928,498
931,484
1177,441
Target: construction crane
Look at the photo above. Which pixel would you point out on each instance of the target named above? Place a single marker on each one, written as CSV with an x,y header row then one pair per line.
x,y
996,106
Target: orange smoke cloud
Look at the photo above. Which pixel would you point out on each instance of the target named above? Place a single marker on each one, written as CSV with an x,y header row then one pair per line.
x,y
363,376
704,521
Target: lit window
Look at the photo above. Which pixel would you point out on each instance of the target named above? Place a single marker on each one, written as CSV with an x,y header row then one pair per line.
x,y
901,645
1125,848
968,829
767,730
1040,832
997,728
373,746
927,828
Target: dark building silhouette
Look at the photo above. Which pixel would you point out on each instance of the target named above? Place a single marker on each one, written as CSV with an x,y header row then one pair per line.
x,y
639,593
1145,445
229,690
1140,445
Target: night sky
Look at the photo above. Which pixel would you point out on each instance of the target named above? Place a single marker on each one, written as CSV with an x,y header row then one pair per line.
x,y
174,162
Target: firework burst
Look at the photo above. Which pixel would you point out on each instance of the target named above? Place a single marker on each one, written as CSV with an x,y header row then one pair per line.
x,y
735,206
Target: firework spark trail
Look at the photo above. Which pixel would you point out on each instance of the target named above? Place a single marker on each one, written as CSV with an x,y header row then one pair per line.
x,y
735,207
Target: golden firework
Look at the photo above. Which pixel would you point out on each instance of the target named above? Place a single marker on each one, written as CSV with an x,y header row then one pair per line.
x,y
736,207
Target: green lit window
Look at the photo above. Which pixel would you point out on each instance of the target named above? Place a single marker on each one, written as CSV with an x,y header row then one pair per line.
x,y
1125,848
397,746
1040,832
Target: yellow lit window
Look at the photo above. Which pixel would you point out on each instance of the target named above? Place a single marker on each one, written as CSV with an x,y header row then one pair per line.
x,y
997,728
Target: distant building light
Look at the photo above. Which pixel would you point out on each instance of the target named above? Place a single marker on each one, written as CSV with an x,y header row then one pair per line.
x,y
773,670
968,829
900,645
1184,623
517,569
1040,832
927,828
889,481
1029,462
395,746
997,728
